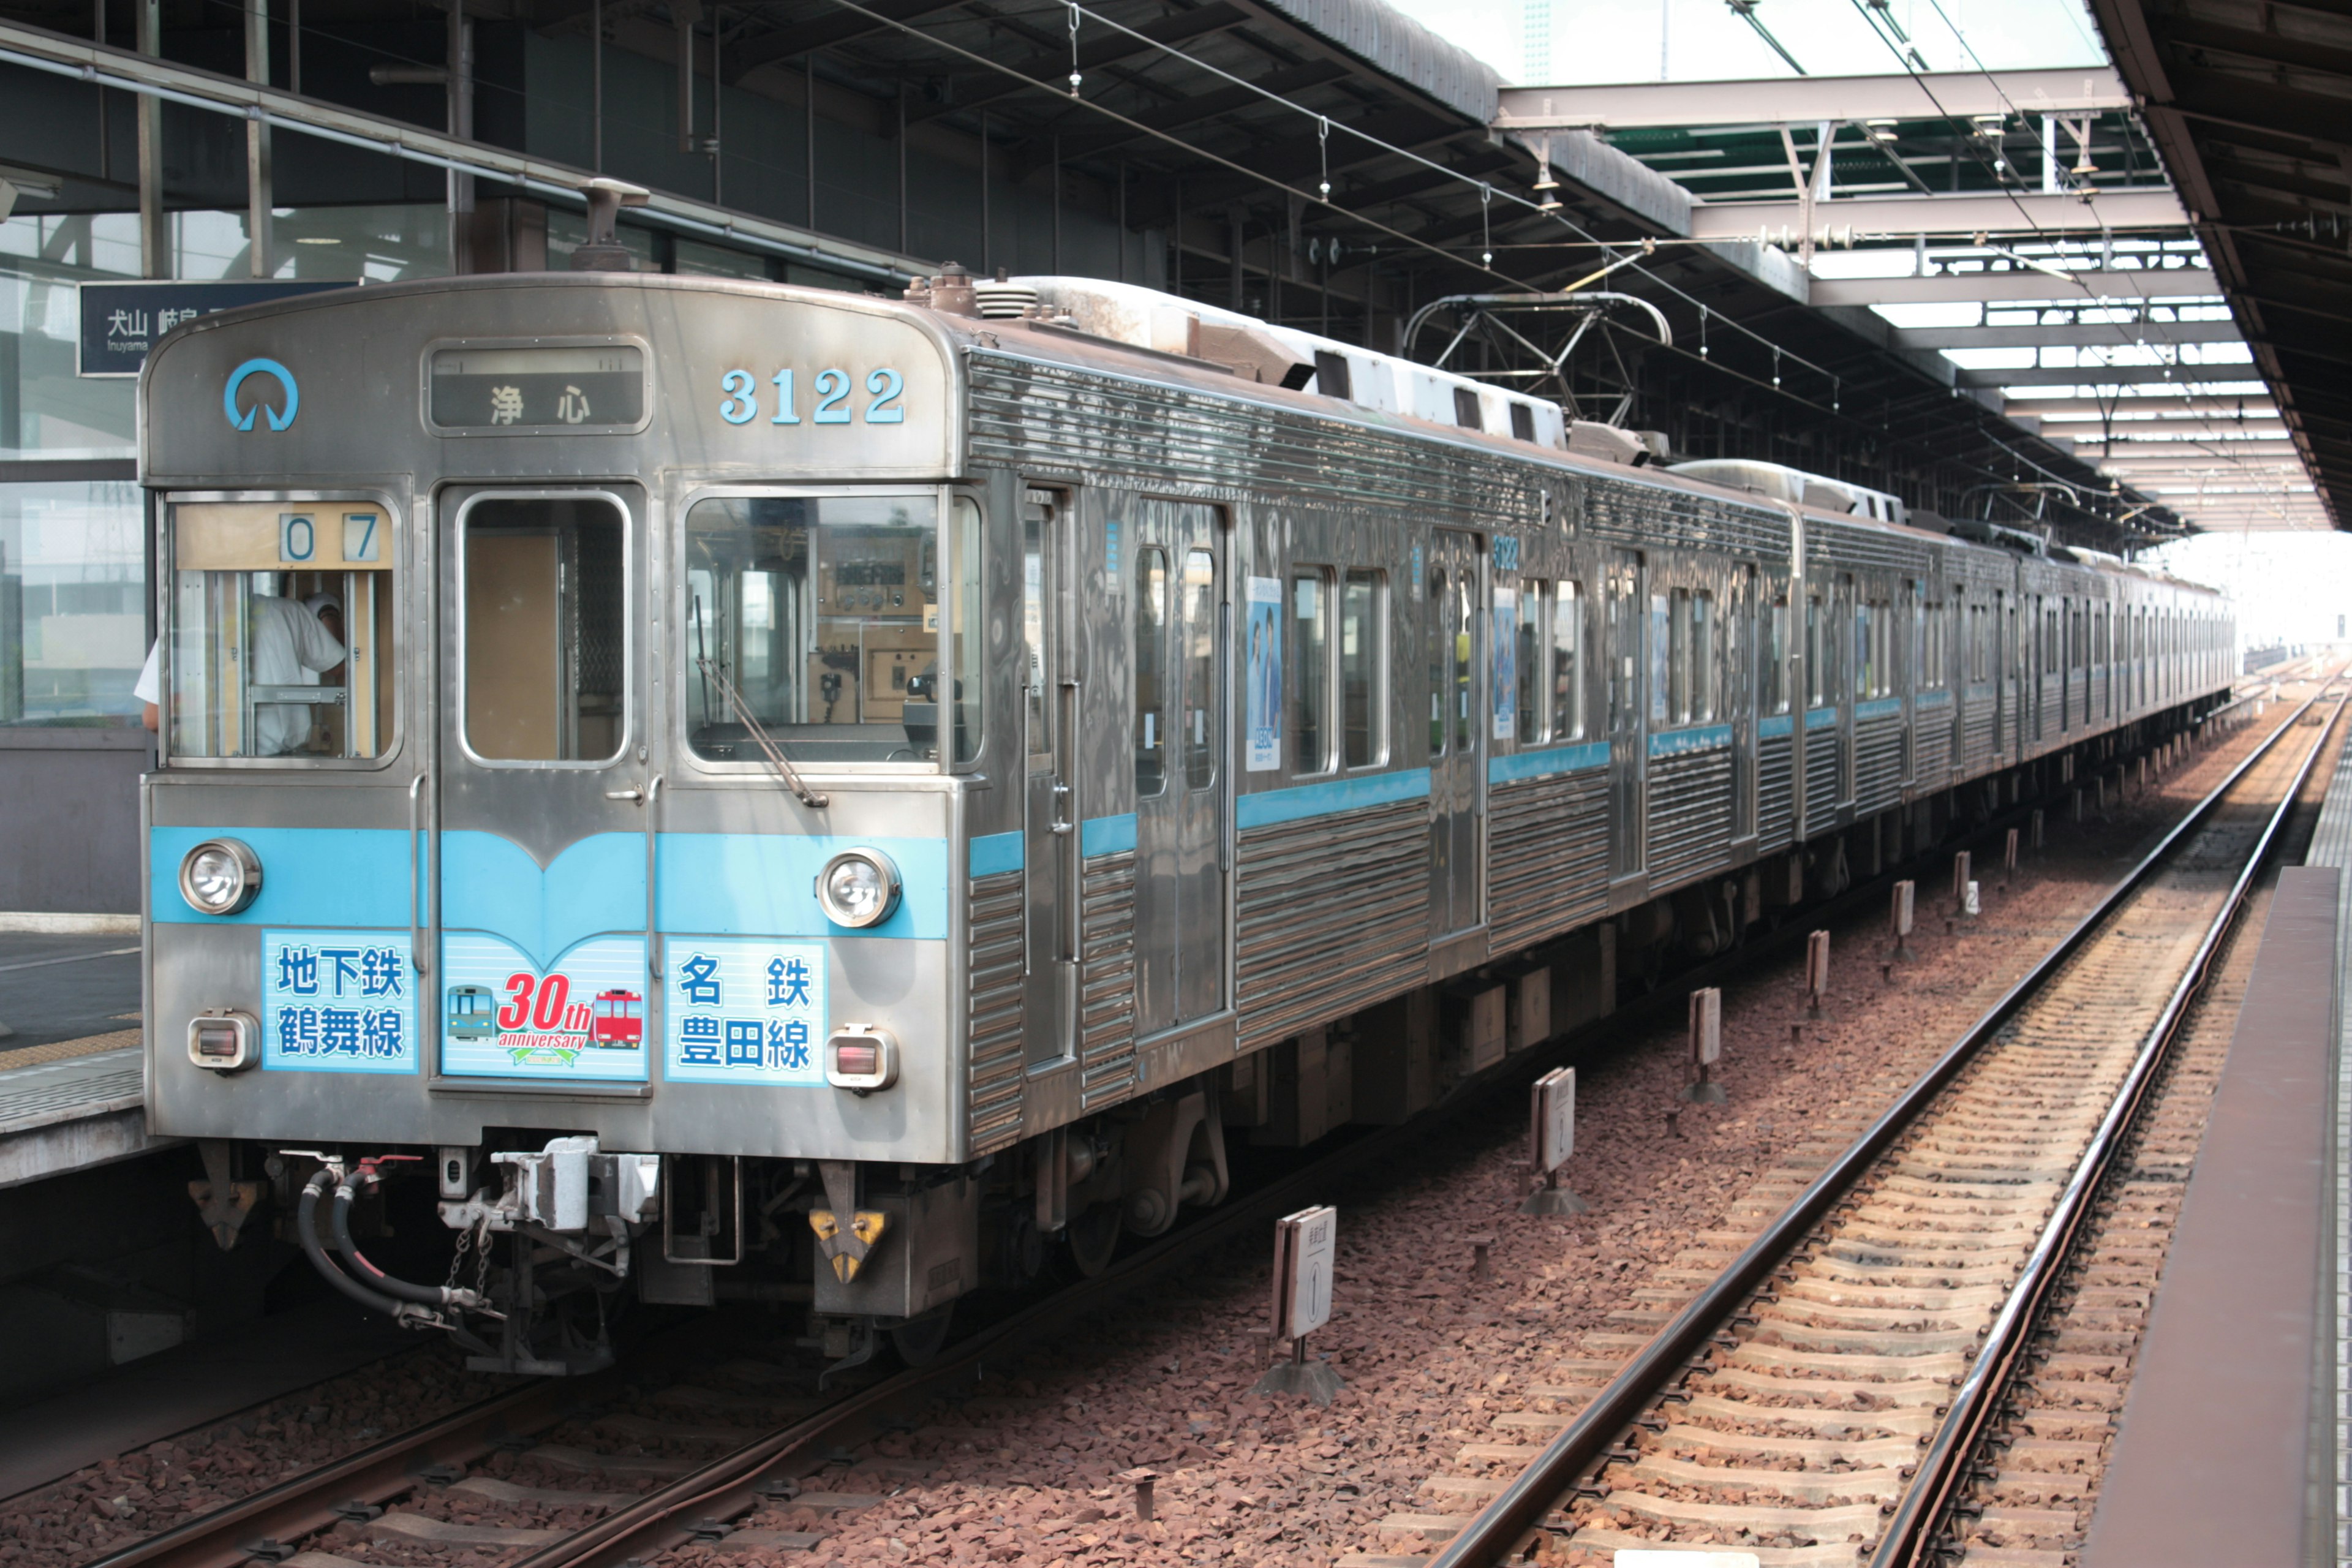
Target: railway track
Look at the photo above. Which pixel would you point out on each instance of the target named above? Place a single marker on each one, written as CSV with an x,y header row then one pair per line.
x,y
1823,1399
676,1443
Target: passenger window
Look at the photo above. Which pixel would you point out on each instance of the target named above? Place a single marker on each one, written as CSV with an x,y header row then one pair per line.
x,y
281,630
1464,615
1440,659
1032,633
1526,661
1816,677
1773,678
1363,635
1567,662
814,622
1309,685
1662,643
1200,635
1702,657
544,612
1678,656
1150,677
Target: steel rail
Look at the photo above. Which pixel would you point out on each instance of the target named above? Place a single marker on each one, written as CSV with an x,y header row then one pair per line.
x,y
303,1504
1489,1537
1909,1532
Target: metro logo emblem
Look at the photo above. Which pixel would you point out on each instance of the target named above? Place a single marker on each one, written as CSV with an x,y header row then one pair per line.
x,y
268,367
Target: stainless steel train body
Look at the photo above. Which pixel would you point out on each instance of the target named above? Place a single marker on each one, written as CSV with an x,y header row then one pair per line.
x,y
974,766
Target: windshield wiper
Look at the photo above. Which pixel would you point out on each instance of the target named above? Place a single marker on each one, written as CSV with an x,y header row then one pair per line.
x,y
759,735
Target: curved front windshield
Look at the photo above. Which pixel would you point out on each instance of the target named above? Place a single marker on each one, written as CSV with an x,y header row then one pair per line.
x,y
817,621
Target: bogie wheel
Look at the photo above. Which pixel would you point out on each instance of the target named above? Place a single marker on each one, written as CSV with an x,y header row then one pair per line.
x,y
1093,1236
919,1341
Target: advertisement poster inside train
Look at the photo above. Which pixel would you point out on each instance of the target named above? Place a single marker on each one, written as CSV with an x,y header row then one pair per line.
x,y
502,1016
1263,639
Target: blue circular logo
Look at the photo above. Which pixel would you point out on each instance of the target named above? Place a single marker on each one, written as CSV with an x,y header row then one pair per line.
x,y
261,367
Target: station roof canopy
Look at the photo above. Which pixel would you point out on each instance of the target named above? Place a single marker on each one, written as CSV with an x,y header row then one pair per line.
x,y
2021,226
1332,163
2250,106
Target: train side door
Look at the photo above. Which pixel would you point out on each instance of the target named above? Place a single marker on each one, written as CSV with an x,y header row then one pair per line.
x,y
1181,742
545,761
1457,729
1628,666
1049,708
1846,664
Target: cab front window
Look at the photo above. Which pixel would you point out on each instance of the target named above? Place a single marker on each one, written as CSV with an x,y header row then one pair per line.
x,y
280,627
830,623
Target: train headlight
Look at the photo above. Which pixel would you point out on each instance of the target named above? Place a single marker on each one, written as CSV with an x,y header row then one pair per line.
x,y
219,876
859,887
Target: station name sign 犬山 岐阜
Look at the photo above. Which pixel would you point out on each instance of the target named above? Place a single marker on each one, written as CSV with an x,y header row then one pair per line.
x,y
121,321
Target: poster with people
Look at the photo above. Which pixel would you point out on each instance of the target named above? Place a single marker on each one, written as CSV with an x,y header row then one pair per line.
x,y
1262,639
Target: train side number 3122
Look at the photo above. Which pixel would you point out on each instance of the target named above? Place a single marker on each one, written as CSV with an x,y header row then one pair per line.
x,y
740,405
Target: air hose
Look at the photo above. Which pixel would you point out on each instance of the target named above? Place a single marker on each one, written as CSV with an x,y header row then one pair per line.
x,y
340,1222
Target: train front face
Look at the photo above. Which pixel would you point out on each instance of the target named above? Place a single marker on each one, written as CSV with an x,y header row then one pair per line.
x,y
563,730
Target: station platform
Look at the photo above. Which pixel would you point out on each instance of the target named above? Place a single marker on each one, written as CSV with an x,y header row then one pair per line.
x,y
2241,1377
71,1077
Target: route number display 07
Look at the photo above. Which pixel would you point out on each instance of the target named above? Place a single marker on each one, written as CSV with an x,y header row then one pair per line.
x,y
834,402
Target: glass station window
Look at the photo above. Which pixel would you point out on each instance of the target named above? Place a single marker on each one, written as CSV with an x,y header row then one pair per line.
x,y
545,629
281,630
1363,631
816,620
1309,686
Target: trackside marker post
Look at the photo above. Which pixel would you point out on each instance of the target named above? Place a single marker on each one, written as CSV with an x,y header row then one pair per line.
x,y
1707,1045
1306,1249
1899,920
1817,973
1551,1142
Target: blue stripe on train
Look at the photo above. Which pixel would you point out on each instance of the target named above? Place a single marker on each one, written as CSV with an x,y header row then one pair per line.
x,y
1550,761
1267,807
994,852
1683,742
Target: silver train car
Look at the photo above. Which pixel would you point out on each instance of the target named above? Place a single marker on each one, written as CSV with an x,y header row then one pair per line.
x,y
778,794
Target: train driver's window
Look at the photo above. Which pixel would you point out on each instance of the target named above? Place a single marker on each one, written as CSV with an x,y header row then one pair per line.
x,y
1567,661
816,622
1308,688
281,630
546,606
1150,671
1363,660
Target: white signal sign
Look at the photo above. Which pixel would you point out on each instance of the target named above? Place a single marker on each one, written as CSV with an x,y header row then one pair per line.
x,y
1307,1246
1555,1126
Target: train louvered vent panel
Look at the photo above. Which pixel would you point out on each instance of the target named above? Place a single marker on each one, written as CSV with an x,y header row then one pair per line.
x,y
1690,816
1979,731
1548,856
1856,550
997,929
1106,980
1877,763
1646,519
1023,411
1820,778
1775,817
1932,746
1332,915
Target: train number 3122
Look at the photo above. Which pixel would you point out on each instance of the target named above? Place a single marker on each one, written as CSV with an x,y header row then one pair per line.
x,y
740,405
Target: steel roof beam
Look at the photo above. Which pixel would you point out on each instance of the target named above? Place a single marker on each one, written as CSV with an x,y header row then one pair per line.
x,y
793,39
2072,334
2189,375
2026,283
2022,212
1809,100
